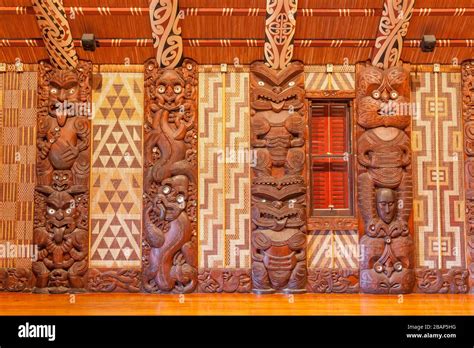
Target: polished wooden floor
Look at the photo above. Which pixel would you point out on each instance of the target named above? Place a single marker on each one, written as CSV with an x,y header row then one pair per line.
x,y
235,304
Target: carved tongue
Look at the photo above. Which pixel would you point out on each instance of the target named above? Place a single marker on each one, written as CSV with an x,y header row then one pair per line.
x,y
280,224
278,106
61,117
59,234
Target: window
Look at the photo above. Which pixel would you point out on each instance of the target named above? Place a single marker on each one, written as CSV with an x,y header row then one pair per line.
x,y
331,155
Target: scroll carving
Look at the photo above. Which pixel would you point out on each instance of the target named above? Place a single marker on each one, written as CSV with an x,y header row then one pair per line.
x,y
393,27
164,19
16,279
127,280
468,117
52,20
384,181
218,280
170,179
278,124
437,281
325,280
280,26
62,171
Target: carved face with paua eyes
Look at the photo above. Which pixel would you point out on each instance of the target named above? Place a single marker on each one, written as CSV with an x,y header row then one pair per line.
x,y
64,93
62,180
170,90
386,204
171,198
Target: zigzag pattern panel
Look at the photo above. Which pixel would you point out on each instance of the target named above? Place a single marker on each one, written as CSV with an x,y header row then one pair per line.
x,y
317,78
18,107
117,174
211,176
438,166
237,171
333,249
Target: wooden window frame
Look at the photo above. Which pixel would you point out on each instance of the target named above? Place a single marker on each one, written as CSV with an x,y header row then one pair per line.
x,y
350,211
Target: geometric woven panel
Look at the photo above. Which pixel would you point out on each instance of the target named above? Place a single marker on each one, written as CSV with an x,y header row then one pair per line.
x,y
117,171
317,78
18,93
438,181
333,249
224,170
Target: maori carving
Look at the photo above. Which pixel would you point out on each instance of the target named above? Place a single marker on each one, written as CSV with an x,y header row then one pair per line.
x,y
384,182
62,170
57,37
322,223
280,26
113,280
218,280
393,27
164,20
16,279
170,179
278,123
437,281
468,117
325,280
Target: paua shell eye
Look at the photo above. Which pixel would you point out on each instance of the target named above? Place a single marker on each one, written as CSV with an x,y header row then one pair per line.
x,y
394,95
166,189
291,83
261,83
180,198
53,90
161,89
177,89
51,211
72,91
376,94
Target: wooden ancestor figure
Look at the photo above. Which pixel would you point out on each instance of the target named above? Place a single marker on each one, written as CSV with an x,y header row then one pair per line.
x,y
278,123
63,166
384,180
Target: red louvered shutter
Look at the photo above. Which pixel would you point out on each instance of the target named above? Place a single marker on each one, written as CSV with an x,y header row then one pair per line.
x,y
330,150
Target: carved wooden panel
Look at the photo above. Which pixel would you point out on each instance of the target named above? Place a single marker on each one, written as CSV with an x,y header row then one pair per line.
x,y
384,180
113,280
442,281
170,178
228,280
164,20
16,279
393,27
278,132
62,171
468,117
52,21
326,280
280,25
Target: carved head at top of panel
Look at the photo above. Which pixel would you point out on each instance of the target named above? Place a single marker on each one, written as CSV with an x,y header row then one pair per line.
x,y
273,90
383,97
63,92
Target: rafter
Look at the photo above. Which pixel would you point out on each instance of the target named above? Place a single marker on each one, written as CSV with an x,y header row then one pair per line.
x,y
52,21
392,29
166,33
280,25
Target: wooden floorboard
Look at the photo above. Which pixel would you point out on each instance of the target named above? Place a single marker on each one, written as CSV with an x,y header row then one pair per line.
x,y
234,304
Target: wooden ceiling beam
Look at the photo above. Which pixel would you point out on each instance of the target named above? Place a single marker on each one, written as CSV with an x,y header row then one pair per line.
x,y
52,21
307,43
392,29
245,12
166,33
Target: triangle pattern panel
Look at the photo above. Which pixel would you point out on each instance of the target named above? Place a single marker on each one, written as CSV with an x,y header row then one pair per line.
x,y
117,174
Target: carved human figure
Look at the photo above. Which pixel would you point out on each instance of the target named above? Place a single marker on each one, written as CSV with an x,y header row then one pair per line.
x,y
278,186
61,197
384,181
170,179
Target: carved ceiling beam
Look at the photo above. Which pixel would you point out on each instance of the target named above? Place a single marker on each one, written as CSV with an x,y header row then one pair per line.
x,y
280,24
393,27
52,21
164,20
